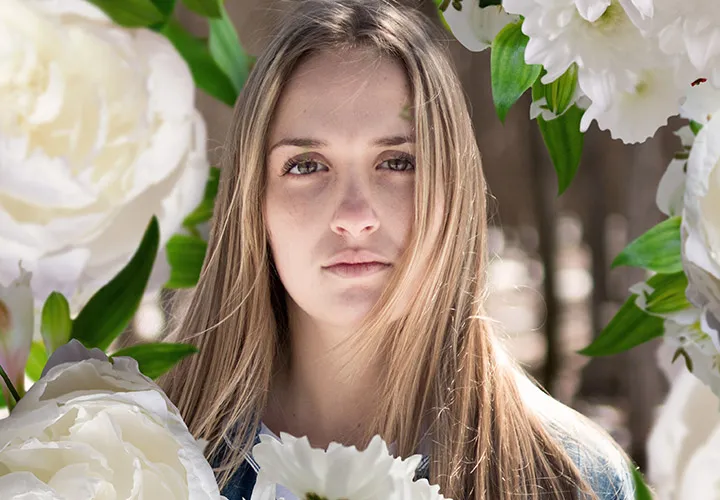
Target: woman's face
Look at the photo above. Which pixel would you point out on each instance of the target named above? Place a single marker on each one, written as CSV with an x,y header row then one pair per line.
x,y
340,183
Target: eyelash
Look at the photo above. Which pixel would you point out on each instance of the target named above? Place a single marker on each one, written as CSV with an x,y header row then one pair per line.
x,y
292,163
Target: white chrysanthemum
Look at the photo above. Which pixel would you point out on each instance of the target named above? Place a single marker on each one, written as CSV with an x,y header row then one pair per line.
x,y
597,35
632,105
476,27
338,473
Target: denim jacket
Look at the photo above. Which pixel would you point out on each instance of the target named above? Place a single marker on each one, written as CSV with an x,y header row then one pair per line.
x,y
602,466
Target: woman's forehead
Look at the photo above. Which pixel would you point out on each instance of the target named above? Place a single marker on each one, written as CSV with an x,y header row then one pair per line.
x,y
352,92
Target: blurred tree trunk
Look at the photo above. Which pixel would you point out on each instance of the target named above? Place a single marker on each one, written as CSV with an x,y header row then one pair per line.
x,y
544,196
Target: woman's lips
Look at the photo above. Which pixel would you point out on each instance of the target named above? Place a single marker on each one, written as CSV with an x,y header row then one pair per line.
x,y
357,270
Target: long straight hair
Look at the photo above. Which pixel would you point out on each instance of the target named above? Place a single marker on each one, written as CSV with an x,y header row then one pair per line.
x,y
444,380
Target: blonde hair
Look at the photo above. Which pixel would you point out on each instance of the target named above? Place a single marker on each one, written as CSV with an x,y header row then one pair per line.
x,y
443,382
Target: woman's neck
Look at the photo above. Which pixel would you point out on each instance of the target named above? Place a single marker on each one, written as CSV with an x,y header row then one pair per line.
x,y
323,393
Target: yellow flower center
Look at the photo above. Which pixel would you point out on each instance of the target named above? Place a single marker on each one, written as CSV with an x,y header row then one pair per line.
x,y
613,20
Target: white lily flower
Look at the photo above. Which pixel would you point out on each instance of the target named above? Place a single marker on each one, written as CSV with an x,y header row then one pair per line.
x,y
595,34
340,472
631,105
671,190
476,27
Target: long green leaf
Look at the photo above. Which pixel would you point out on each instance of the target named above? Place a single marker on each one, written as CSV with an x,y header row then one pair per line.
x,y
207,8
559,93
36,361
630,327
155,359
510,75
131,13
564,142
55,324
226,50
669,293
110,310
204,211
165,6
206,73
657,250
186,255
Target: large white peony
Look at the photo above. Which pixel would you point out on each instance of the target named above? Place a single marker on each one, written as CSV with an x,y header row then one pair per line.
x,y
90,429
98,133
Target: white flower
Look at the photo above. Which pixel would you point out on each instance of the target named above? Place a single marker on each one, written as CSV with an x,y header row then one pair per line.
x,y
700,103
16,330
338,473
685,430
701,225
631,105
98,133
597,35
476,27
93,430
671,190
689,31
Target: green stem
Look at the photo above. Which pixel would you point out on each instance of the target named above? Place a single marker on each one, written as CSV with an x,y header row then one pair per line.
x,y
10,387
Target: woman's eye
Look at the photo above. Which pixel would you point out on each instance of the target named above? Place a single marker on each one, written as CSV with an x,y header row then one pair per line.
x,y
301,167
401,164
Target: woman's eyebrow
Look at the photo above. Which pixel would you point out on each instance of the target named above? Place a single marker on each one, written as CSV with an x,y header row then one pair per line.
x,y
307,142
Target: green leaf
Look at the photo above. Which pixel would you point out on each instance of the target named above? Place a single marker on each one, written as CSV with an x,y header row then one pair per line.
x,y
56,325
186,255
487,3
559,93
226,50
669,293
564,142
657,250
642,491
696,127
207,8
630,327
206,73
131,13
165,6
510,75
204,211
110,310
36,361
155,359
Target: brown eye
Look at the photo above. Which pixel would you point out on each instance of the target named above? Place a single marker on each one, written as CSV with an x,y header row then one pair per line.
x,y
400,164
301,167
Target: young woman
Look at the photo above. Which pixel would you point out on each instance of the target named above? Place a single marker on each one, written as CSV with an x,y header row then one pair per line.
x,y
343,292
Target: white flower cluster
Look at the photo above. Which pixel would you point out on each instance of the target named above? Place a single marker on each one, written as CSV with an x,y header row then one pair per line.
x,y
637,60
691,189
336,473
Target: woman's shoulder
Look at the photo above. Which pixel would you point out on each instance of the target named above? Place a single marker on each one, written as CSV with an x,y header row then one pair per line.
x,y
598,458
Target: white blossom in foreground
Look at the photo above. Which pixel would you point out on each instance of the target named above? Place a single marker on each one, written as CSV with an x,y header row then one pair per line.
x,y
98,133
700,103
94,429
476,27
338,473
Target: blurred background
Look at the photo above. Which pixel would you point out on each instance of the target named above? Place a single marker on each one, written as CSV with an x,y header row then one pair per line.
x,y
552,286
